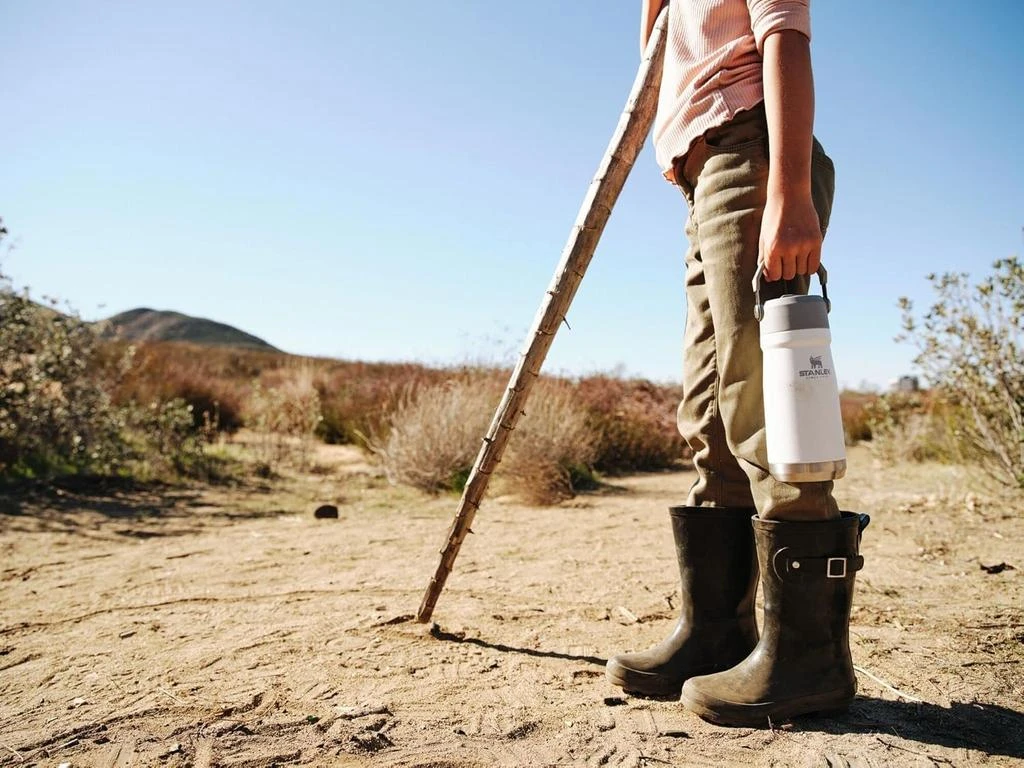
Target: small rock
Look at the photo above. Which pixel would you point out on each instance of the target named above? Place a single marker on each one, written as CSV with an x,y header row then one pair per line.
x,y
326,512
371,741
522,730
126,634
353,713
997,568
614,701
626,616
606,722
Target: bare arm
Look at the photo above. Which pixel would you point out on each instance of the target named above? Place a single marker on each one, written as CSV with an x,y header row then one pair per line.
x,y
648,15
790,232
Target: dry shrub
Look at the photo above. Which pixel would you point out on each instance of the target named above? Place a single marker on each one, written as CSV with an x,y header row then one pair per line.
x,y
551,453
285,418
357,399
915,426
635,422
855,408
165,372
434,434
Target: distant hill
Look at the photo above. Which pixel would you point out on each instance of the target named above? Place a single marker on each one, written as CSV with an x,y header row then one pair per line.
x,y
159,325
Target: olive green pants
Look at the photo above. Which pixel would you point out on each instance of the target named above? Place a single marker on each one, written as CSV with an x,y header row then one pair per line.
x,y
724,178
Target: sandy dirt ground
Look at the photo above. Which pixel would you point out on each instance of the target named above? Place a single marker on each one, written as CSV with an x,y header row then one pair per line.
x,y
228,627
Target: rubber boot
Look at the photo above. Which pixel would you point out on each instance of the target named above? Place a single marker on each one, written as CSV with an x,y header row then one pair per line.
x,y
716,627
802,662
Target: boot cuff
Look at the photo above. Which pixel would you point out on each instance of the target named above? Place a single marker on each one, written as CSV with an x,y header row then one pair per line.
x,y
846,521
737,513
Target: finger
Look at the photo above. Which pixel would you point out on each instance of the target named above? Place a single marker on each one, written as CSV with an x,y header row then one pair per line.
x,y
789,266
814,260
772,268
765,260
801,262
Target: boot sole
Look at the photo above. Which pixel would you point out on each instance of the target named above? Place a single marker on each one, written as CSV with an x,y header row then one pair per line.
x,y
765,714
642,683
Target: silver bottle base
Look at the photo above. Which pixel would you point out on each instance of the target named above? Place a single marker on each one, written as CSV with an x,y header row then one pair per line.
x,y
808,472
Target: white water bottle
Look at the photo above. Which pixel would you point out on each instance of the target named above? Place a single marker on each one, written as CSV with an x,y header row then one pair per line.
x,y
802,418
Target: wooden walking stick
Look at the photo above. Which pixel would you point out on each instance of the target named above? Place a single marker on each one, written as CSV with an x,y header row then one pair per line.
x,y
626,143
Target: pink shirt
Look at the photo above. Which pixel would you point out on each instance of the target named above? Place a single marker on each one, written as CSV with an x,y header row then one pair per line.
x,y
713,65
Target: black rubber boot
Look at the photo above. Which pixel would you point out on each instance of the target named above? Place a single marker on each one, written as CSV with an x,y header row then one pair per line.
x,y
716,627
802,662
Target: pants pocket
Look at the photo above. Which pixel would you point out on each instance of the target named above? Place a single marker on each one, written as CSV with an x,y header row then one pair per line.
x,y
746,131
823,184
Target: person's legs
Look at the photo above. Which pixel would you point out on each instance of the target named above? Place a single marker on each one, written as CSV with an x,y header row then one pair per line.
x,y
721,416
728,170
721,482
808,554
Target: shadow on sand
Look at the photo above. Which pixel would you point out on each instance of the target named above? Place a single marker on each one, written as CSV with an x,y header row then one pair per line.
x,y
100,506
989,728
452,637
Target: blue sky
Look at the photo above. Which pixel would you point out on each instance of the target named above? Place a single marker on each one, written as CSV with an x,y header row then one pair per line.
x,y
395,181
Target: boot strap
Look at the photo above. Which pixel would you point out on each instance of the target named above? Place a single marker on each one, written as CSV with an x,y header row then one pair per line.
x,y
794,568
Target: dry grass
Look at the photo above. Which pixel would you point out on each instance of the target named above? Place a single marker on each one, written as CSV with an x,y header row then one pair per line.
x,y
215,382
552,452
916,426
855,408
630,423
357,399
285,416
434,437
434,434
635,422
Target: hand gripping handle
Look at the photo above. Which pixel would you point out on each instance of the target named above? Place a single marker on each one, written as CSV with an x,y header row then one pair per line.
x,y
759,277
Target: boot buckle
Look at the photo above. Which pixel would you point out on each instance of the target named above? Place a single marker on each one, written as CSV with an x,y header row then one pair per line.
x,y
834,573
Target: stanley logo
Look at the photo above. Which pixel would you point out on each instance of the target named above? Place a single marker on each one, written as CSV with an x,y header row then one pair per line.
x,y
816,369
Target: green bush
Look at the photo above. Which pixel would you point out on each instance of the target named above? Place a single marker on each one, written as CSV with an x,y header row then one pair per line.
x,y
165,440
57,415
970,347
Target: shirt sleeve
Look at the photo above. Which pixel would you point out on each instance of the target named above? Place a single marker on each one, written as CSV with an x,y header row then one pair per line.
x,y
768,16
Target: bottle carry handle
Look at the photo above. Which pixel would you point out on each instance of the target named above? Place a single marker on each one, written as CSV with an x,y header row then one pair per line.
x,y
759,276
